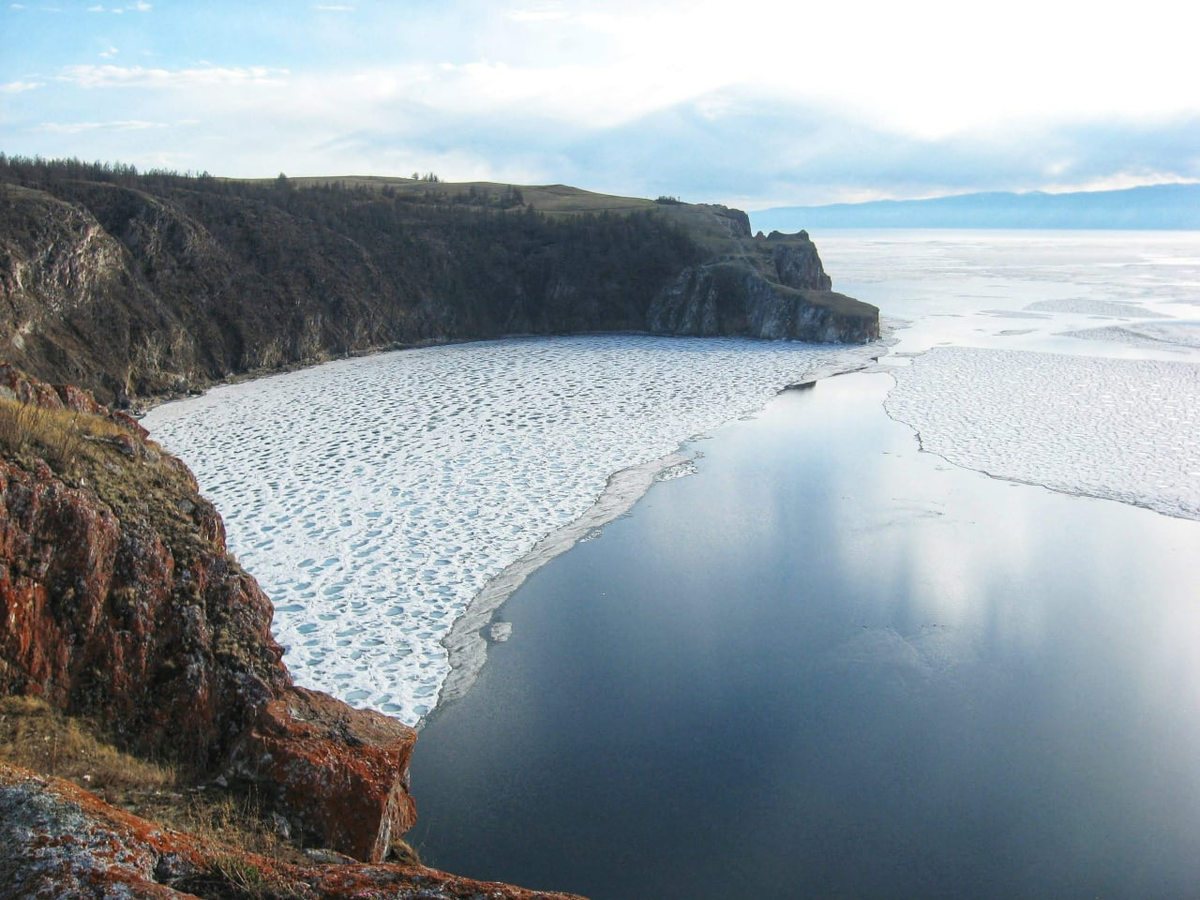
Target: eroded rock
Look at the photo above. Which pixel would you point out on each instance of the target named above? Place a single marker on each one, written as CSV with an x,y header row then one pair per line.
x,y
119,601
59,841
340,775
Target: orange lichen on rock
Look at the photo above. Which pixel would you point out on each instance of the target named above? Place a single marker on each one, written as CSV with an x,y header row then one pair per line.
x,y
57,840
120,602
342,773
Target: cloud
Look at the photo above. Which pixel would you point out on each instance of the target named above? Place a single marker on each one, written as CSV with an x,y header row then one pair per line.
x,y
649,97
540,14
19,87
753,150
81,127
110,53
88,76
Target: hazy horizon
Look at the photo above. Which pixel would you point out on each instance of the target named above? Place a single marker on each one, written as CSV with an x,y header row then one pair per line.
x,y
777,107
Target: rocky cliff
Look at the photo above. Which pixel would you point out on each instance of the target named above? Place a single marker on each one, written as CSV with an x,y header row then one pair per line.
x,y
792,299
135,286
120,603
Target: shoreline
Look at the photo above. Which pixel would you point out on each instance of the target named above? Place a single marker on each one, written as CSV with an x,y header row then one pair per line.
x,y
463,643
466,644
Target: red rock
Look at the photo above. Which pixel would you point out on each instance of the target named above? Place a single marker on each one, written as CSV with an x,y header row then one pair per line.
x,y
57,840
119,601
139,619
339,774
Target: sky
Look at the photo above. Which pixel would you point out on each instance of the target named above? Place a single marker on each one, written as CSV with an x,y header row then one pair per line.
x,y
754,105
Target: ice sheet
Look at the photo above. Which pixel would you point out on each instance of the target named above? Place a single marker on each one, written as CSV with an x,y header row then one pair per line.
x,y
1121,429
1091,306
375,498
1145,334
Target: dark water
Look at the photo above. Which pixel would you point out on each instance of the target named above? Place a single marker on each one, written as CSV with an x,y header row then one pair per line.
x,y
828,665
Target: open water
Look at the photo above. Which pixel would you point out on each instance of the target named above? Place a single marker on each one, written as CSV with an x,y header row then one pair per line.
x,y
829,664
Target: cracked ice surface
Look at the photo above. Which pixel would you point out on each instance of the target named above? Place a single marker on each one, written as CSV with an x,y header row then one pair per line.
x,y
1121,429
374,498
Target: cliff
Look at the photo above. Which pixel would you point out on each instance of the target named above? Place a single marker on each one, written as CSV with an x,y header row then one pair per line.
x,y
135,286
119,604
776,289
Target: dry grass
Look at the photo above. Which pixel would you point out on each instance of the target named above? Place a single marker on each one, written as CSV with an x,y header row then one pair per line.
x,y
547,198
35,736
233,877
59,436
38,737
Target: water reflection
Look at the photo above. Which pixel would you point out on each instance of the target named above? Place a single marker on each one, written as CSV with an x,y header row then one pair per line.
x,y
831,665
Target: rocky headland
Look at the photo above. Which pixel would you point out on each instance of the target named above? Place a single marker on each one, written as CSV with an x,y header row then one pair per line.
x,y
138,286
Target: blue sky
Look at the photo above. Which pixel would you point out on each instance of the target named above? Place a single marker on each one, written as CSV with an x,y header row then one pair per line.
x,y
754,104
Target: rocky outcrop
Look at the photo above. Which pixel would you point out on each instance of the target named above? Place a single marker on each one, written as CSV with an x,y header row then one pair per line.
x,y
796,262
778,290
161,285
117,593
341,772
57,840
119,601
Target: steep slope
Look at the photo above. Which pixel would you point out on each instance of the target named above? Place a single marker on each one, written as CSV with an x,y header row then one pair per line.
x,y
136,286
119,603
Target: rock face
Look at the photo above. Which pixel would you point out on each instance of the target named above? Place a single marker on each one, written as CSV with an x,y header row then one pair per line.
x,y
119,601
119,598
785,295
160,285
307,746
57,840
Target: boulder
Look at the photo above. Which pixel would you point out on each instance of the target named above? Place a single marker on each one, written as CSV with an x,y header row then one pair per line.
x,y
338,775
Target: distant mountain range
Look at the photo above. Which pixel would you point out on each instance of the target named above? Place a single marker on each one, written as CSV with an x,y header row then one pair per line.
x,y
1160,206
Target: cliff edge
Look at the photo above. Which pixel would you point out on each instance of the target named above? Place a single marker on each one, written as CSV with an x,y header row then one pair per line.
x,y
139,286
120,604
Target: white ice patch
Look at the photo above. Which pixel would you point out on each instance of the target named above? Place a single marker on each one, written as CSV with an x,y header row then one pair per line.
x,y
1126,430
1145,334
375,498
1090,306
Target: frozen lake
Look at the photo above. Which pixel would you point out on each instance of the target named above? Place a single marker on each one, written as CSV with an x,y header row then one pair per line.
x,y
374,498
825,663
832,665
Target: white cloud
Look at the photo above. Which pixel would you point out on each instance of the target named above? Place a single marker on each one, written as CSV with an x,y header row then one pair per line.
x,y
20,87
80,127
110,53
95,9
848,100
539,14
87,76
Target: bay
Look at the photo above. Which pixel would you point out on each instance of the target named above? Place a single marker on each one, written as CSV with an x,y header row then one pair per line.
x,y
830,664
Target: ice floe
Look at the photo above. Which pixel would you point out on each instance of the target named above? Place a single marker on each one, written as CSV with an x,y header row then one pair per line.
x,y
1090,306
376,498
1122,429
1153,335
